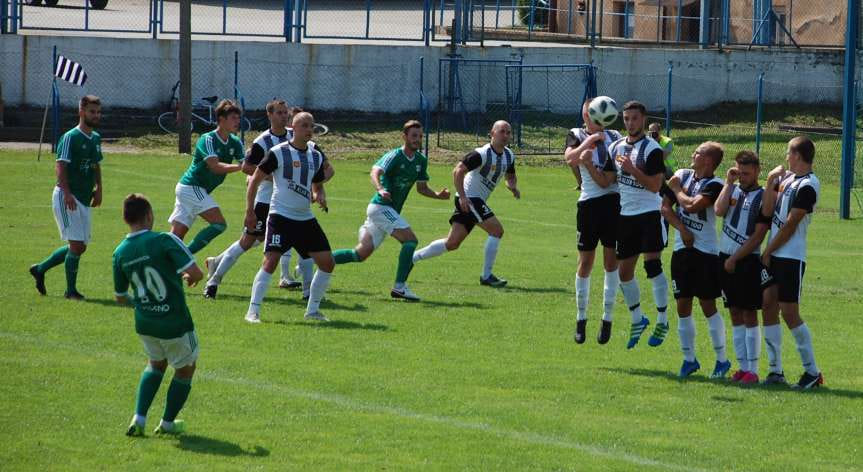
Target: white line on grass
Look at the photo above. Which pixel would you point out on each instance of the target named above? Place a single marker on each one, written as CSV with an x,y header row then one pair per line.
x,y
349,403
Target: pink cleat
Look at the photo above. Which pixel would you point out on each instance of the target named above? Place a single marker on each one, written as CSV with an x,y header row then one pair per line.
x,y
749,378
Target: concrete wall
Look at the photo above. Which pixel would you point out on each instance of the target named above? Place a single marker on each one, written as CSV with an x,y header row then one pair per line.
x,y
139,73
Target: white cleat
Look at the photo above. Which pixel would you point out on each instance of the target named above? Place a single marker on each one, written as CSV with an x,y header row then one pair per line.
x,y
252,317
289,283
404,294
212,264
316,316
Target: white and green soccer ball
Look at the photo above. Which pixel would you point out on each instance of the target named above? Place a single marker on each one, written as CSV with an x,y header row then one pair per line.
x,y
602,110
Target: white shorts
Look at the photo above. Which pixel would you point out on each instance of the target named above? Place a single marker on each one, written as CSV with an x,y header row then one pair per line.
x,y
381,220
179,352
74,225
190,202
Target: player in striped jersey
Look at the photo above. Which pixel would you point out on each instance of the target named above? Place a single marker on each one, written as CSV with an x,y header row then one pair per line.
x,y
298,169
475,178
743,230
598,208
695,260
640,174
214,155
393,176
277,133
795,197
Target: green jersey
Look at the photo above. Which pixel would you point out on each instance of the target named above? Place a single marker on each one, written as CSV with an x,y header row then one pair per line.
x,y
81,153
209,145
152,262
399,176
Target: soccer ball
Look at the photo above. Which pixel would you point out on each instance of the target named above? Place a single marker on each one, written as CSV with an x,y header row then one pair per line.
x,y
602,111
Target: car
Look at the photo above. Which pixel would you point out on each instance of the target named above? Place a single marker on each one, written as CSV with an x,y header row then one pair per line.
x,y
94,4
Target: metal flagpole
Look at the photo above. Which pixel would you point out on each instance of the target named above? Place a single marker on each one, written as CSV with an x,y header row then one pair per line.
x,y
45,120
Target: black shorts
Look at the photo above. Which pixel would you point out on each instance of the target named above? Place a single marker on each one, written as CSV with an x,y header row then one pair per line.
x,y
787,275
261,212
305,236
742,289
478,213
596,221
694,274
639,234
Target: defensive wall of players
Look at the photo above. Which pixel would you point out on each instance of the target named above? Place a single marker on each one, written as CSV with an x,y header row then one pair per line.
x,y
139,73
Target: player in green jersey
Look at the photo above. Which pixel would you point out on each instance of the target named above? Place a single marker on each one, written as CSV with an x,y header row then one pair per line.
x,y
215,153
79,187
153,263
393,176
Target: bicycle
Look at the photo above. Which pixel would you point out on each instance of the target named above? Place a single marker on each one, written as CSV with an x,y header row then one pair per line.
x,y
168,120
319,129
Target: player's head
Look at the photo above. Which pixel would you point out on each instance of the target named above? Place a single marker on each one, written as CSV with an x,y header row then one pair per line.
x,y
412,133
655,129
801,151
634,115
278,113
304,126
500,133
707,156
90,110
748,168
137,211
589,125
228,116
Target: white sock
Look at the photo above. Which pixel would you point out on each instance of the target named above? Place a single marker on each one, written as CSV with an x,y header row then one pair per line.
x,y
738,338
753,348
307,270
285,262
582,294
167,425
140,420
686,331
804,347
228,259
319,286
716,326
660,296
491,245
435,248
609,294
773,341
632,298
259,289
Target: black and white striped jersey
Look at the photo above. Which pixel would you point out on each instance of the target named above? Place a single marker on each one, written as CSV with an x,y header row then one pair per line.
x,y
702,225
486,168
795,191
602,160
744,213
256,153
293,170
647,156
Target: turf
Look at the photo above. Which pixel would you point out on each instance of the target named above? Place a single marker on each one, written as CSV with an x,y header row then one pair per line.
x,y
471,378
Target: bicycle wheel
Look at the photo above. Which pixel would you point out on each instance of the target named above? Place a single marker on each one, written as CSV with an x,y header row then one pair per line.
x,y
168,122
245,125
321,129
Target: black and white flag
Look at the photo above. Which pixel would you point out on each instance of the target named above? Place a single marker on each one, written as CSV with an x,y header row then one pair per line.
x,y
70,71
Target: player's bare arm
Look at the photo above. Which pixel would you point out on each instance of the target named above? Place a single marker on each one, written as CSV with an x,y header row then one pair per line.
x,y
375,176
771,194
750,245
63,183
251,219
512,185
192,275
689,204
671,216
724,199
426,191
458,174
319,195
600,177
97,190
329,172
220,168
573,155
651,182
795,216
248,168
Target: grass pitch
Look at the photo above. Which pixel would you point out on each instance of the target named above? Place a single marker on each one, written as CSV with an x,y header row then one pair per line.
x,y
471,378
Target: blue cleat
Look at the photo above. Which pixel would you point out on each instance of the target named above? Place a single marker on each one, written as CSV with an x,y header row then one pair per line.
x,y
659,332
635,331
689,368
721,370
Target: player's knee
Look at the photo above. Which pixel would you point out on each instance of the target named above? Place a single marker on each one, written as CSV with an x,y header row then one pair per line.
x,y
452,244
653,268
160,366
220,227
327,264
186,372
496,232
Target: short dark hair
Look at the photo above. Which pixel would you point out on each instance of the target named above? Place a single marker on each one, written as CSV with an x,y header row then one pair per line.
x,y
272,104
635,105
747,158
804,146
227,107
715,151
411,124
135,208
89,100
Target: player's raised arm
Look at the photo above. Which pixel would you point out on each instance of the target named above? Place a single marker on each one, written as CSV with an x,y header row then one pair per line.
x,y
670,215
426,191
724,200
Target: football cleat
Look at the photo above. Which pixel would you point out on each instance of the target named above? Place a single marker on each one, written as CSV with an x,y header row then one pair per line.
x,y
404,294
635,331
659,332
178,427
604,332
775,378
210,291
492,281
316,316
720,370
40,279
749,378
74,296
808,381
737,376
580,326
253,317
688,368
288,283
135,430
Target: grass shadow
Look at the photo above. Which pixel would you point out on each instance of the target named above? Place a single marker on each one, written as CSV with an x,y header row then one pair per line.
x,y
334,324
474,305
217,447
297,300
108,302
653,373
516,288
